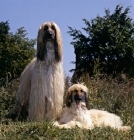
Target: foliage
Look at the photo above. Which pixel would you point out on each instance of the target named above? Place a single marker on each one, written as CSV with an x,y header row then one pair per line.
x,y
108,47
16,50
104,94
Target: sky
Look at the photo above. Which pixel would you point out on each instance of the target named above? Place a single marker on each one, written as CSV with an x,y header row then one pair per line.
x,y
30,14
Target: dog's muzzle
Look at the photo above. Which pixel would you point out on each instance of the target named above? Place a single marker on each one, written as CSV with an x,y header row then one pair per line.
x,y
77,99
49,35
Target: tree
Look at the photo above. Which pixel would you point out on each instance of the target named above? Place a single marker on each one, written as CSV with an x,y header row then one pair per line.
x,y
108,47
16,50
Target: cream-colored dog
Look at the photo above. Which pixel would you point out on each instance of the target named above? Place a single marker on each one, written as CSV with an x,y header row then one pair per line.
x,y
42,81
76,112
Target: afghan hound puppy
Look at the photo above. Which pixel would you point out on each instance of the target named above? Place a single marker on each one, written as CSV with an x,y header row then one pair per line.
x,y
76,112
42,81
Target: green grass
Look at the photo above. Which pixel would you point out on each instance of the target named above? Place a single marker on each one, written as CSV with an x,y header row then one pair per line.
x,y
45,131
104,94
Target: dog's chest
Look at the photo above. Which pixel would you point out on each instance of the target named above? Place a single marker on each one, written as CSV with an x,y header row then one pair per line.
x,y
83,117
73,115
80,115
47,74
50,56
44,81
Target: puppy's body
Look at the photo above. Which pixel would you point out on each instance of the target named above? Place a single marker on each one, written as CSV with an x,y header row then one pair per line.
x,y
73,117
102,118
76,113
42,81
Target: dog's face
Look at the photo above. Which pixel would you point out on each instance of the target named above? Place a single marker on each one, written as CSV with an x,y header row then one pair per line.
x,y
77,95
49,32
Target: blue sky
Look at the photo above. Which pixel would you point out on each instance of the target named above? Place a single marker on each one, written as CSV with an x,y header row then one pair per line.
x,y
32,13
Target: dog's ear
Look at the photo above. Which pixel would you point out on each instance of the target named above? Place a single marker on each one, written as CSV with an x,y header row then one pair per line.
x,y
58,43
58,55
68,99
41,44
86,99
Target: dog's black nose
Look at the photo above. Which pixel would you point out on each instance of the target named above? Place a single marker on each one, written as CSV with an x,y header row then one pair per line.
x,y
49,35
77,98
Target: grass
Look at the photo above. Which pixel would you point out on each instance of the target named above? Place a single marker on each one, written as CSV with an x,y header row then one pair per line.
x,y
106,94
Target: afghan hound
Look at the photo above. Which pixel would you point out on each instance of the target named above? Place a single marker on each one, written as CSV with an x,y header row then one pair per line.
x,y
42,81
77,114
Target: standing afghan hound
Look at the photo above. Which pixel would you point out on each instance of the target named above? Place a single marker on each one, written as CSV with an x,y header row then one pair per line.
x,y
42,81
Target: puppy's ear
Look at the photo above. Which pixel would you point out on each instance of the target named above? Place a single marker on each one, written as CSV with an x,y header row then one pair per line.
x,y
68,99
86,99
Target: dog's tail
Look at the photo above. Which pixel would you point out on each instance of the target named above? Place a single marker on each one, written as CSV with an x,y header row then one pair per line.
x,y
124,128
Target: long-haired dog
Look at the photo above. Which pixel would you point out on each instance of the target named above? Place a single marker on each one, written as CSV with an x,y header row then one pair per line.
x,y
77,114
42,81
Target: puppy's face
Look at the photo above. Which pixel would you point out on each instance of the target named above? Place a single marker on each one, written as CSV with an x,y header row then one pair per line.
x,y
77,95
49,32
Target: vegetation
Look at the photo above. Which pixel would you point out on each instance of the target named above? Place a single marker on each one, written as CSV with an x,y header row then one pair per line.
x,y
104,94
16,50
107,47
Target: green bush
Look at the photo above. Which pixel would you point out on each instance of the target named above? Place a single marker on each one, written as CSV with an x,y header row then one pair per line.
x,y
16,51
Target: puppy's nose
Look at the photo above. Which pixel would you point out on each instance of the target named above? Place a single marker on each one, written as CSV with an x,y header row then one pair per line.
x,y
78,98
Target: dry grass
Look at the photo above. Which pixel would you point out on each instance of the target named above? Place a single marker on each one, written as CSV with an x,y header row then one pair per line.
x,y
106,94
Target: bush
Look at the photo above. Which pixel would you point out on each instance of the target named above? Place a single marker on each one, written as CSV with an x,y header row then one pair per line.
x,y
16,51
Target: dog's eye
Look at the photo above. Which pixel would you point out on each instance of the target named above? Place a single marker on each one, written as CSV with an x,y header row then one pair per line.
x,y
46,27
53,27
75,90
